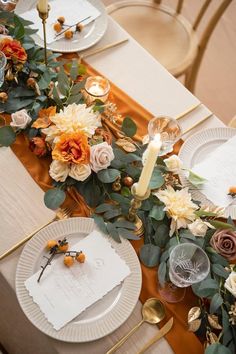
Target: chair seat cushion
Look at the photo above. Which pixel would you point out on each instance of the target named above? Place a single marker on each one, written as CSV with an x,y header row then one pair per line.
x,y
165,35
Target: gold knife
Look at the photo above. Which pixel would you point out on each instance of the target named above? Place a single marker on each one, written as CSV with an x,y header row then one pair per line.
x,y
163,331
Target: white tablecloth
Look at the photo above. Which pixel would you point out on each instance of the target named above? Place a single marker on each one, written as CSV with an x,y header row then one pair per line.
x,y
131,68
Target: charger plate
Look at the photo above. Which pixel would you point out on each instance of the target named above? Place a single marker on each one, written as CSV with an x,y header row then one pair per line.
x,y
90,35
195,149
101,318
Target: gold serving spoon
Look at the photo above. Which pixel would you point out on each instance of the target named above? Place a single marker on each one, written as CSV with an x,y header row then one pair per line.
x,y
153,311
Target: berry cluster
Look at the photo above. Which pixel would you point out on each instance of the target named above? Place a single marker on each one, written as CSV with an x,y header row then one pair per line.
x,y
60,25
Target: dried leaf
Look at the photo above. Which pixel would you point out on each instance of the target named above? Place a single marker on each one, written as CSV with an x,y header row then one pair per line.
x,y
126,145
44,118
211,338
193,326
194,313
214,321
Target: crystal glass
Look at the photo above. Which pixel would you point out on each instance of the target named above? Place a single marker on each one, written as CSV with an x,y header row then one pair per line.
x,y
169,130
188,264
8,5
3,63
96,88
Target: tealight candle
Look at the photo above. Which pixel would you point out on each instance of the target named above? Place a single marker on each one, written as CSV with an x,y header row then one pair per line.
x,y
152,152
42,6
96,88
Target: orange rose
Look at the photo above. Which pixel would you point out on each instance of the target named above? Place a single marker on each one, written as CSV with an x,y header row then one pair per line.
x,y
38,146
72,147
13,50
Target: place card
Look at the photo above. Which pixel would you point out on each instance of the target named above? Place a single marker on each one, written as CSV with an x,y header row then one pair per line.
x,y
74,11
219,168
63,293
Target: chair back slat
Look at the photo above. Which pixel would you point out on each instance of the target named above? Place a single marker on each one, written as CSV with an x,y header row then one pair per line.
x,y
201,13
191,77
179,6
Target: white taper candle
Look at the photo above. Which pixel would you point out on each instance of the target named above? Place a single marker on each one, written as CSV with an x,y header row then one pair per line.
x,y
43,6
146,174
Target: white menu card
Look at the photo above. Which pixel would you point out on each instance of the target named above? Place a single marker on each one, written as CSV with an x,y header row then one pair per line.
x,y
74,11
219,168
63,293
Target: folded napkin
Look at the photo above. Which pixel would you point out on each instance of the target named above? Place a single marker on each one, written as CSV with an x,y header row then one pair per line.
x,y
63,293
219,168
74,11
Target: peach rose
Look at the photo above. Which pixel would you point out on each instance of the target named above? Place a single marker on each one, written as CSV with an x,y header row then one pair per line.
x,y
80,172
101,156
59,170
72,147
13,50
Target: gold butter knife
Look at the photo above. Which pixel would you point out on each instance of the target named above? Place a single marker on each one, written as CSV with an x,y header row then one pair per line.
x,y
162,332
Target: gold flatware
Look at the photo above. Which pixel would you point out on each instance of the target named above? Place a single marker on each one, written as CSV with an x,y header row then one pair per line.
x,y
189,110
162,332
198,123
153,311
102,49
61,214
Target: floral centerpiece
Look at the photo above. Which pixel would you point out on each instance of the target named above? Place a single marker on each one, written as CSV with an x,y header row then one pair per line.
x,y
48,106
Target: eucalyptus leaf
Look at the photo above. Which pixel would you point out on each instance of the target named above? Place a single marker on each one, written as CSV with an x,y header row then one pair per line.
x,y
157,212
113,232
157,180
110,214
195,179
150,255
100,223
7,136
221,225
119,198
127,234
53,198
129,127
125,191
74,69
161,236
77,87
161,273
108,175
217,348
219,270
216,302
102,208
125,224
63,82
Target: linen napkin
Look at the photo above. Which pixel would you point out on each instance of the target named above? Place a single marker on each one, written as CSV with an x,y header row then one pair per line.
x,y
219,168
74,11
63,293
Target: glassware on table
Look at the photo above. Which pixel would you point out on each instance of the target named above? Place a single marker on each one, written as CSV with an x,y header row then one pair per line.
x,y
96,88
3,63
188,264
8,5
169,130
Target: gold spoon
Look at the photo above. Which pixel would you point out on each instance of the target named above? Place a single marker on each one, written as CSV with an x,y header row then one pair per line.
x,y
153,311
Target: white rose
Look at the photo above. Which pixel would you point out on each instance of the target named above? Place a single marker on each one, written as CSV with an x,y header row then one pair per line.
x,y
59,170
20,119
173,164
80,172
198,228
101,156
230,283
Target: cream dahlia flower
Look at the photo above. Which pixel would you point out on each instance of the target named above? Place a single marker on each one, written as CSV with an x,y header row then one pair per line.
x,y
76,117
178,206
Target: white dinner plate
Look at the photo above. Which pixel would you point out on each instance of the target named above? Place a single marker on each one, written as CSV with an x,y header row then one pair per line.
x,y
195,149
89,36
101,318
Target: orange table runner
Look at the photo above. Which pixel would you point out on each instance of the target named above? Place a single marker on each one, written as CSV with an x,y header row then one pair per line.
x,y
179,338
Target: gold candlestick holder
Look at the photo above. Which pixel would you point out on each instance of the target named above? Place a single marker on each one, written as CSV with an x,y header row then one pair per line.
x,y
135,204
44,16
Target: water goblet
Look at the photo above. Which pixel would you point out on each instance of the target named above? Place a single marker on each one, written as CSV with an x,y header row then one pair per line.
x,y
169,130
188,264
3,63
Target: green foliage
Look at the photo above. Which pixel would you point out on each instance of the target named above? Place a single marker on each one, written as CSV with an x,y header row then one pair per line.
x,y
7,136
217,348
108,176
149,255
129,127
53,198
216,302
157,179
195,179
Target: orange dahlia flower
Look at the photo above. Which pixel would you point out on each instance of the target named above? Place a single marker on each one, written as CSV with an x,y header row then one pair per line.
x,y
72,147
13,50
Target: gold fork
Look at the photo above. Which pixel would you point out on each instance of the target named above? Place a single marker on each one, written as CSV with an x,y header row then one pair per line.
x,y
63,213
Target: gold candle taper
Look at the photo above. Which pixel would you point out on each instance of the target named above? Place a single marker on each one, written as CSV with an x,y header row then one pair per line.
x,y
43,14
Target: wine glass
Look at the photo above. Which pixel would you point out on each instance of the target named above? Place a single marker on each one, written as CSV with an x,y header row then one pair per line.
x,y
169,130
3,63
188,264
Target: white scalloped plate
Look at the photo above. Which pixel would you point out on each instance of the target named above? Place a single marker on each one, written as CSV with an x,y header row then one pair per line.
x,y
101,318
195,149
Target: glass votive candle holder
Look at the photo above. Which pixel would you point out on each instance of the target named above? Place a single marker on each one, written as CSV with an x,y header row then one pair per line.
x,y
96,88
169,130
3,63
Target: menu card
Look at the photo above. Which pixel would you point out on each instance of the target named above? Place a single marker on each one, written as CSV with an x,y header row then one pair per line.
x,y
74,11
219,168
63,293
